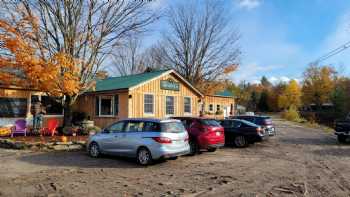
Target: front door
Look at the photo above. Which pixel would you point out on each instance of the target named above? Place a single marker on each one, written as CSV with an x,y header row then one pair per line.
x,y
227,110
131,137
112,143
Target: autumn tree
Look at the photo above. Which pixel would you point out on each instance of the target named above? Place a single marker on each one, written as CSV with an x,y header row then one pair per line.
x,y
291,96
200,44
318,84
265,82
274,94
340,97
59,46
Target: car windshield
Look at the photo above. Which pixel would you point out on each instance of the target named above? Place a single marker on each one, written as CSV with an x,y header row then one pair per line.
x,y
210,122
172,127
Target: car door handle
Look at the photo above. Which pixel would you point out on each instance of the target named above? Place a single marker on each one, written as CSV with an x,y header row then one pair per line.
x,y
115,136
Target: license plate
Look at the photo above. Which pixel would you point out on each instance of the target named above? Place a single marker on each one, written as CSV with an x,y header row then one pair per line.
x,y
218,133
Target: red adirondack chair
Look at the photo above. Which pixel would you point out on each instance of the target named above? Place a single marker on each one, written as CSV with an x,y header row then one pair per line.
x,y
20,127
52,125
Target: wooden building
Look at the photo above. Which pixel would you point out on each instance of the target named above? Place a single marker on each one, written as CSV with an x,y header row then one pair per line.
x,y
156,94
219,105
15,103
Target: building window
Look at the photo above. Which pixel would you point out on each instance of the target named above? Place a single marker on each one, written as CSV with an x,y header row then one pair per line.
x,y
13,107
169,105
187,105
211,107
106,105
52,106
148,104
217,107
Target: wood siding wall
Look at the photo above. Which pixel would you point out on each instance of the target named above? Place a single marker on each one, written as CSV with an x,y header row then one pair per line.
x,y
136,104
12,93
86,103
217,100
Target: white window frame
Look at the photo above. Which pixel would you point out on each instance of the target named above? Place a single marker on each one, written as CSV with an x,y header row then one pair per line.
x,y
112,106
154,104
188,113
173,105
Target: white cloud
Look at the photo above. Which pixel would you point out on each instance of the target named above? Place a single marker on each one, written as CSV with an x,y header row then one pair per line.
x,y
249,72
248,4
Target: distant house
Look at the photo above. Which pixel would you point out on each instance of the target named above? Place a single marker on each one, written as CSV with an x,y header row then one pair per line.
x,y
219,105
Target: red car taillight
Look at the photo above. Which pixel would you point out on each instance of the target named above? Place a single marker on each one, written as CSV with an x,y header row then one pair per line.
x,y
259,130
162,140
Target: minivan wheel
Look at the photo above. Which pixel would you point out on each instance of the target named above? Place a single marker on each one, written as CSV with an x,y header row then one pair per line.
x,y
342,138
94,150
240,141
193,147
144,157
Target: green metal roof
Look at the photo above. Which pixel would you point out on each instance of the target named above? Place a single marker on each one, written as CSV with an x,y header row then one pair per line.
x,y
125,82
225,93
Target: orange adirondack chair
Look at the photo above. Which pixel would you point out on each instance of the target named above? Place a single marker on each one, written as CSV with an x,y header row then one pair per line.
x,y
52,125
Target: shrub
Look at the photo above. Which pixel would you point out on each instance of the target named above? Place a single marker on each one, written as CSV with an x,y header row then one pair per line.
x,y
78,117
292,115
70,130
209,113
89,130
219,112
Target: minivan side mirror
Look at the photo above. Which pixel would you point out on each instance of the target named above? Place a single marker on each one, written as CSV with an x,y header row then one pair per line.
x,y
105,130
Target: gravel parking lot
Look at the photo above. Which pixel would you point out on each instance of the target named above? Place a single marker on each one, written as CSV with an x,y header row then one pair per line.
x,y
298,162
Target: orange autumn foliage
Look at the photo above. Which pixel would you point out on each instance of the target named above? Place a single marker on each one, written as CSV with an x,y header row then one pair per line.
x,y
24,62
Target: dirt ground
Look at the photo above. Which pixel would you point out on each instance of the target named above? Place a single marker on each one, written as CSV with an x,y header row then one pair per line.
x,y
297,162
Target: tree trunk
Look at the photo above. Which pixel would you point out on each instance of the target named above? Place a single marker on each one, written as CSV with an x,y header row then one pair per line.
x,y
67,114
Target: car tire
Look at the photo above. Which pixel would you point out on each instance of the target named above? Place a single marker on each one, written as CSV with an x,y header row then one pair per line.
x,y
144,156
211,149
94,150
240,141
342,138
193,148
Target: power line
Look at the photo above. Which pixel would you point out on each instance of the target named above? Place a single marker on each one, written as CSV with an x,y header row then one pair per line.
x,y
332,53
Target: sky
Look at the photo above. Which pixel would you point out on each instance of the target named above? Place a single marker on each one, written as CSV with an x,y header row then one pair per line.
x,y
279,38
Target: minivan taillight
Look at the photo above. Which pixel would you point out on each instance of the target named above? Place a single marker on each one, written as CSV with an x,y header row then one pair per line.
x,y
162,140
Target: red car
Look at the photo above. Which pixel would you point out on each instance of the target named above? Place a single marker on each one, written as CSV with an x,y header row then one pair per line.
x,y
204,133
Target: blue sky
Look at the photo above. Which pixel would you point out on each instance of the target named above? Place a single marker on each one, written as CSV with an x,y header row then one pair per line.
x,y
280,37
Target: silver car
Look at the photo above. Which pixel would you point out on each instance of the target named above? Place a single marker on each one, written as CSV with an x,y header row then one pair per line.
x,y
144,139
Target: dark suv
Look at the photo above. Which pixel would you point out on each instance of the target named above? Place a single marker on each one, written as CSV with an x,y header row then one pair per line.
x,y
264,122
204,133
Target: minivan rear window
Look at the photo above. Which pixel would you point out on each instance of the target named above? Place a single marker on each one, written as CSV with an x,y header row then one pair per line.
x,y
210,122
172,127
